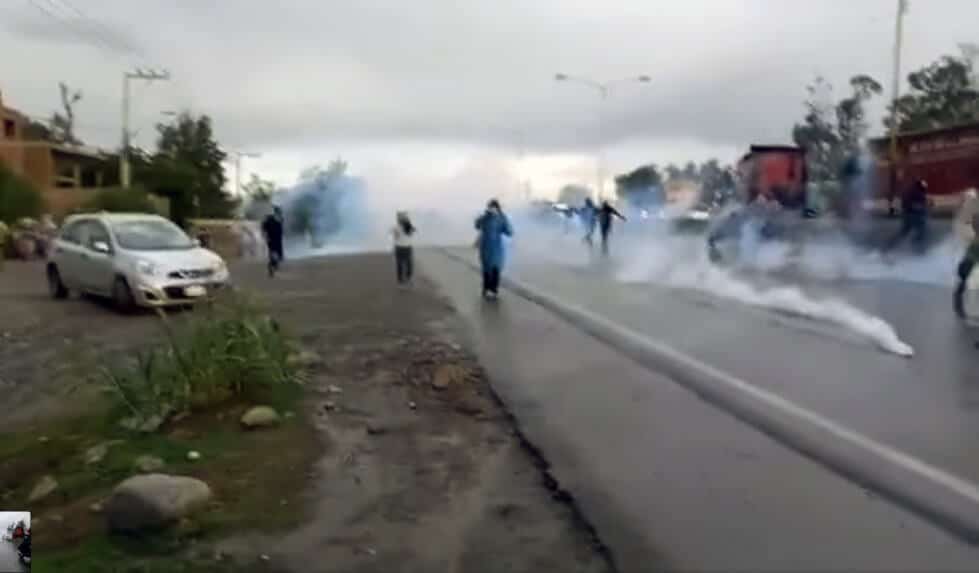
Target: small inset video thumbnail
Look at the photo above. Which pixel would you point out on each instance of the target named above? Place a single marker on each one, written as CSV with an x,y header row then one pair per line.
x,y
15,541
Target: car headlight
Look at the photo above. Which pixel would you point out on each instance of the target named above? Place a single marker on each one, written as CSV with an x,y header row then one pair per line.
x,y
146,268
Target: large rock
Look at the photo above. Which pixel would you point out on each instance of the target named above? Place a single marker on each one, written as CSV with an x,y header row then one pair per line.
x,y
260,417
154,501
44,487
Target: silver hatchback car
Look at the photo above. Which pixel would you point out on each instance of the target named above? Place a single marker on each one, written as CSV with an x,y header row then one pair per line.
x,y
136,259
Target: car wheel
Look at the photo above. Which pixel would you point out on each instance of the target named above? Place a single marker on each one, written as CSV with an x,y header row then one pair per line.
x,y
122,296
56,287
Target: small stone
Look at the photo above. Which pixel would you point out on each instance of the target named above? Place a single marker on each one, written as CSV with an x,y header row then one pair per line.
x,y
96,507
376,429
412,405
96,454
148,464
44,487
264,557
334,389
289,415
44,439
260,417
304,359
329,406
193,455
449,375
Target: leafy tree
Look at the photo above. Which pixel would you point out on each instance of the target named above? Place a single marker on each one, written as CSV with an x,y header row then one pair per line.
x,y
717,183
673,172
942,93
119,200
573,194
63,125
817,134
18,198
188,168
259,193
641,187
690,171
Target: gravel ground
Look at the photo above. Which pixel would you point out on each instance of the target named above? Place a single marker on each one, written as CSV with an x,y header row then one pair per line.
x,y
422,469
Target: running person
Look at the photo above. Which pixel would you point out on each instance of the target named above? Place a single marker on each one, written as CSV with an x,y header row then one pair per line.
x,y
605,214
272,228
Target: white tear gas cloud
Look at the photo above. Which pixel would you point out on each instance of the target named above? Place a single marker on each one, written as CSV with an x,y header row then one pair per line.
x,y
443,210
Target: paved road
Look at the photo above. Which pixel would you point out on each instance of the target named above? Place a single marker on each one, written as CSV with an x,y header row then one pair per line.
x,y
927,406
667,478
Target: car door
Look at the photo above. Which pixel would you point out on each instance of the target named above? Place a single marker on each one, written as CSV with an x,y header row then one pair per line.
x,y
97,266
67,253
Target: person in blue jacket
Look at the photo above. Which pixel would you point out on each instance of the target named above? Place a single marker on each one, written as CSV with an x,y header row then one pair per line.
x,y
492,225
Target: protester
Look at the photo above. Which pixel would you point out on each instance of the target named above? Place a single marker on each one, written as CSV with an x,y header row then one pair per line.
x,y
273,227
914,206
492,225
403,232
605,214
967,227
589,216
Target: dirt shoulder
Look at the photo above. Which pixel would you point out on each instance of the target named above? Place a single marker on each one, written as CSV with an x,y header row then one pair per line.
x,y
400,457
423,470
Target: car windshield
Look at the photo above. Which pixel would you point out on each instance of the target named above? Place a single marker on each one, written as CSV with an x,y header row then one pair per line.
x,y
150,235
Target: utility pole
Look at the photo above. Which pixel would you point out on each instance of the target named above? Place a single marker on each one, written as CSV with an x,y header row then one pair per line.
x,y
125,178
238,155
902,8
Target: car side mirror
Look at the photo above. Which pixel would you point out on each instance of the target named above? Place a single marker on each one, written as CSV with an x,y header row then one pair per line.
x,y
101,247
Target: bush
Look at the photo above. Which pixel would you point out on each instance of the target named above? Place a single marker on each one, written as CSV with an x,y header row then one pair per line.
x,y
228,350
18,198
119,200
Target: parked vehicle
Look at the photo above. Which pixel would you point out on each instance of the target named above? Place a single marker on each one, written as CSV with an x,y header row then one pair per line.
x,y
135,259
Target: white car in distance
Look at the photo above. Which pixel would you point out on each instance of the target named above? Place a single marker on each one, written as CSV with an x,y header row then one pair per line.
x,y
134,259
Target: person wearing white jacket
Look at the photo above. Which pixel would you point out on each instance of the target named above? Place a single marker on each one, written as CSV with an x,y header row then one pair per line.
x,y
967,228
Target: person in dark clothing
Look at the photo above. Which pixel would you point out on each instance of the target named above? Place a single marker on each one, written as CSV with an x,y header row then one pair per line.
x,y
914,206
605,214
403,232
967,227
492,225
272,228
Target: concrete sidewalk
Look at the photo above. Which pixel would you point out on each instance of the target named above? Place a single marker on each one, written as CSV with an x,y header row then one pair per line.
x,y
667,480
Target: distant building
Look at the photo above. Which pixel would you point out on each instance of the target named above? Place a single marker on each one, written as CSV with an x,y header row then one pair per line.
x,y
66,175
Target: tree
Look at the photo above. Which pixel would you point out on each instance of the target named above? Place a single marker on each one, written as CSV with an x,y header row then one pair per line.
x,y
817,134
259,194
188,168
573,194
63,126
942,93
716,183
851,125
641,187
690,171
673,172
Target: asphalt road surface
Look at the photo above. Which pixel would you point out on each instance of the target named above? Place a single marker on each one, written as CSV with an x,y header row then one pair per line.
x,y
669,479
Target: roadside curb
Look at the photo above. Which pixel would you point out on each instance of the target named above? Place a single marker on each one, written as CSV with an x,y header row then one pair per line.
x,y
945,500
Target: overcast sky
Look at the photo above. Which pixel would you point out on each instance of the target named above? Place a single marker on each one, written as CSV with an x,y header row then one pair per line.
x,y
429,85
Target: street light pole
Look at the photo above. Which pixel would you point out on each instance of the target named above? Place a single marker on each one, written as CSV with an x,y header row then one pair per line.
x,y
902,7
603,89
125,178
238,155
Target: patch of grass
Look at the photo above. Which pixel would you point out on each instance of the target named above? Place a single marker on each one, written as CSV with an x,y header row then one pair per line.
x,y
229,350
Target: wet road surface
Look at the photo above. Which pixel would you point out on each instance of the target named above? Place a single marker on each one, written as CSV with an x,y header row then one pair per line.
x,y
926,406
667,479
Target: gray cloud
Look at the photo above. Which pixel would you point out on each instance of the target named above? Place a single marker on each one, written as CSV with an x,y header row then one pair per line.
x,y
725,73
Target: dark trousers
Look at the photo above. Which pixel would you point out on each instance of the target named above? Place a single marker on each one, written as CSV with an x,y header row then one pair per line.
x,y
965,269
404,263
275,255
491,280
914,226
606,230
